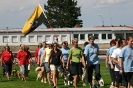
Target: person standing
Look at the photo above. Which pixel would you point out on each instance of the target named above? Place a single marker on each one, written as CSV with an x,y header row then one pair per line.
x,y
126,62
23,58
64,59
7,58
45,58
115,59
40,62
36,53
54,63
91,52
76,59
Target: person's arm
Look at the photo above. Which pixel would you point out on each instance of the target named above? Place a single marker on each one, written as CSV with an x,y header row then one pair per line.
x,y
68,61
107,60
120,64
39,55
83,60
49,59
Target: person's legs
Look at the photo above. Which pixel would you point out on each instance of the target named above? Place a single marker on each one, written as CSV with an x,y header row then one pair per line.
x,y
97,73
75,81
6,66
47,69
90,72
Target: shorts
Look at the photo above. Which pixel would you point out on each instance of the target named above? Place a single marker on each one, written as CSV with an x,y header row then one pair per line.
x,y
127,76
55,67
47,69
118,77
24,69
8,68
76,68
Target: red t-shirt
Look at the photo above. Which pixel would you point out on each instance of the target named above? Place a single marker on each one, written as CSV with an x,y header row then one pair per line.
x,y
36,54
7,56
23,57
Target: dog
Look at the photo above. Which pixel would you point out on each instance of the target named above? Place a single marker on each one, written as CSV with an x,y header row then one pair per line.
x,y
39,73
101,81
16,73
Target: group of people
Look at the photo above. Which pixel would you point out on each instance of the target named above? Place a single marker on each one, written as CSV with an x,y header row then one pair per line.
x,y
119,60
80,63
55,58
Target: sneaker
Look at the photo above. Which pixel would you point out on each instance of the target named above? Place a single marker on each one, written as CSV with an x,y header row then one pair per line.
x,y
84,84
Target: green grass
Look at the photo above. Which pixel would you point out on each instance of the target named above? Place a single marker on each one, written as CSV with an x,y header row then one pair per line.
x,y
32,83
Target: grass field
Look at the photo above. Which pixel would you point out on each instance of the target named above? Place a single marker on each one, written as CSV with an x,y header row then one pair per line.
x,y
32,83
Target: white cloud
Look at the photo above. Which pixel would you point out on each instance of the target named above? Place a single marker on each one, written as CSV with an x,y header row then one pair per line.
x,y
101,3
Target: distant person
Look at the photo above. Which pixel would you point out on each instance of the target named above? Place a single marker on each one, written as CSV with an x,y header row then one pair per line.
x,y
36,53
23,60
40,54
84,69
7,58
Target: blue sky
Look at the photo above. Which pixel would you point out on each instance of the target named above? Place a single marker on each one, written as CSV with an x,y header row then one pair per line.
x,y
14,13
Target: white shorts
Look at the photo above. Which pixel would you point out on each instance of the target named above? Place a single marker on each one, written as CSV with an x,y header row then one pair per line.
x,y
54,67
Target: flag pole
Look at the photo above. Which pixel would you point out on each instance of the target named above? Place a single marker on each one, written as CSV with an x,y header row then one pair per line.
x,y
48,21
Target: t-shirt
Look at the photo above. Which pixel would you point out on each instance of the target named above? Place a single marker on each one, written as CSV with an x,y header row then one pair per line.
x,y
75,54
47,51
7,56
23,57
65,53
127,57
41,52
115,55
92,57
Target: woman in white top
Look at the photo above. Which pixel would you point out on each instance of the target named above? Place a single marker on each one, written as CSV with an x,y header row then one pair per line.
x,y
46,54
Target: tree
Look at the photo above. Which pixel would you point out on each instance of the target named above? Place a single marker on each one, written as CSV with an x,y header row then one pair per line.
x,y
62,13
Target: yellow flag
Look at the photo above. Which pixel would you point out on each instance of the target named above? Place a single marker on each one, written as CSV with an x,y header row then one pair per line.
x,y
35,20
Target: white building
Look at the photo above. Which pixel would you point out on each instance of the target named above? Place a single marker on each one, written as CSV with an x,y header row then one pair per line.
x,y
102,35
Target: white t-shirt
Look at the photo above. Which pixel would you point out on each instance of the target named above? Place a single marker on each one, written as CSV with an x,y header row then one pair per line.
x,y
115,55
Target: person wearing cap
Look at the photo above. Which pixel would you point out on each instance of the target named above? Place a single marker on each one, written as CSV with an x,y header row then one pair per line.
x,y
46,55
40,54
7,58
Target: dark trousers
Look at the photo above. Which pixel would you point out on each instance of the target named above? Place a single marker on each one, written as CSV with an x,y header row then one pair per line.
x,y
90,72
112,74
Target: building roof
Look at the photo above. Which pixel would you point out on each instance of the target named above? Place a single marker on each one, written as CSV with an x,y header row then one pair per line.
x,y
96,28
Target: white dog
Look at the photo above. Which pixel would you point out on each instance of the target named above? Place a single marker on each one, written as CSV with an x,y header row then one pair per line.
x,y
101,82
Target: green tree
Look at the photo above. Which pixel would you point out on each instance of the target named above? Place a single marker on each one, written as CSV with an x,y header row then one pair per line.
x,y
62,13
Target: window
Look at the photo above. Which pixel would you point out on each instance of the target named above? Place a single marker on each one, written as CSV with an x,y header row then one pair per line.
x,y
56,36
82,36
47,38
31,39
103,36
5,39
22,39
76,36
39,39
119,35
63,38
14,39
109,36
96,36
129,34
